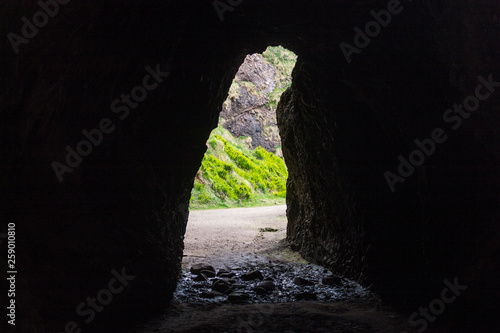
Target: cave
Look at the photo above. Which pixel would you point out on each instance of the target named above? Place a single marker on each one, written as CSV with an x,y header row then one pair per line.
x,y
389,131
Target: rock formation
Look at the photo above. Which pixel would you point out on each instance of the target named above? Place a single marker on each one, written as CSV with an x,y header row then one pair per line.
x,y
245,112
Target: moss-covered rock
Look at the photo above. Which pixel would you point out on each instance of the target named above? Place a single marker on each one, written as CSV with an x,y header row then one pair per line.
x,y
250,108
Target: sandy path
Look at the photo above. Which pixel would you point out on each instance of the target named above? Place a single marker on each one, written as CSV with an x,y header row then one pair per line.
x,y
218,233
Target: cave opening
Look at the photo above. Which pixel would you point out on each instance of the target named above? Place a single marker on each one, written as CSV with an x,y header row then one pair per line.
x,y
243,166
237,219
235,245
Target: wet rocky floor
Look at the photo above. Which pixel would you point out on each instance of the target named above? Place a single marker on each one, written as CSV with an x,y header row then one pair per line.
x,y
267,282
229,284
260,293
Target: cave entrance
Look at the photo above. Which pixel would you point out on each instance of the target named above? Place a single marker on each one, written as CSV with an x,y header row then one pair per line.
x,y
237,223
235,248
243,167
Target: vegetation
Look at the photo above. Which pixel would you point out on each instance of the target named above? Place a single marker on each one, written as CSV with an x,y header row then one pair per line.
x,y
284,62
268,229
233,175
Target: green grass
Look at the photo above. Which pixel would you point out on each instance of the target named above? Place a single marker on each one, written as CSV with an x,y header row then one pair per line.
x,y
233,175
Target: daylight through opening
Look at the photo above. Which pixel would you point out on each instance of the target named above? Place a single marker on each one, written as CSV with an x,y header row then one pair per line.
x,y
244,165
239,251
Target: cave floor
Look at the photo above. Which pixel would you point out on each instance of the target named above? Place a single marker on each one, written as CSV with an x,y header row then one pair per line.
x,y
237,240
219,236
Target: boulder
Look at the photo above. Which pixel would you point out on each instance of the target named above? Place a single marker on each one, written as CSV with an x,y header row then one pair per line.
x,y
221,286
237,297
332,280
252,276
302,282
198,268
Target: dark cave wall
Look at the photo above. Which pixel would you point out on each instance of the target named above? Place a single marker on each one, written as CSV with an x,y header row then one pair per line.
x,y
341,211
343,125
126,205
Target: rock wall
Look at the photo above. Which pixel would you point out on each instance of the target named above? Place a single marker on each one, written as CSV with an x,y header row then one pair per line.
x,y
339,141
245,112
125,205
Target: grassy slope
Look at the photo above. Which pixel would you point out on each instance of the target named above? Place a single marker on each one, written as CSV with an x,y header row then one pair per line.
x,y
232,175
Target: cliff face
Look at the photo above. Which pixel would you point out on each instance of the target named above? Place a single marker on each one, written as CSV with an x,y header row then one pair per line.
x,y
250,109
134,88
